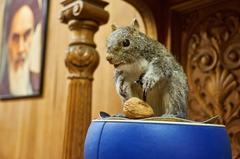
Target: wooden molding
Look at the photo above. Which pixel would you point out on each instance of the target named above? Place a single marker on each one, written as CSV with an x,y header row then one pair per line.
x,y
147,15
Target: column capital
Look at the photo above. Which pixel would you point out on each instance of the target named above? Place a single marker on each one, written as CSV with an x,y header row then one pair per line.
x,y
84,9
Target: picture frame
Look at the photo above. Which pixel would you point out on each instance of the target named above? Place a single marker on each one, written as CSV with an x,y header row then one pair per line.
x,y
22,49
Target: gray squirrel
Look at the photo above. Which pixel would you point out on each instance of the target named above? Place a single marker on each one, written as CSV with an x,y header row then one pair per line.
x,y
145,69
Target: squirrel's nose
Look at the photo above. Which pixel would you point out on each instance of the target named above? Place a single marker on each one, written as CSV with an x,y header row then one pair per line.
x,y
109,58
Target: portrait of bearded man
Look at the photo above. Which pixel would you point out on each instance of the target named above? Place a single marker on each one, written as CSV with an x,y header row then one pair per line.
x,y
20,60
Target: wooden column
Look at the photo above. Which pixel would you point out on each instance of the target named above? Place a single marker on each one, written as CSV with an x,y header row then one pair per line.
x,y
83,18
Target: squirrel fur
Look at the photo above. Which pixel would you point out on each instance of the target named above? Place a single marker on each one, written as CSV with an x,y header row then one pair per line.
x,y
144,66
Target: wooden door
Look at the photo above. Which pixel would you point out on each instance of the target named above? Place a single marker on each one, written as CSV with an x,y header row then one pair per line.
x,y
206,38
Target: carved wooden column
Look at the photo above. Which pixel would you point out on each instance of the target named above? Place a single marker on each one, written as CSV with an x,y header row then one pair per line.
x,y
83,18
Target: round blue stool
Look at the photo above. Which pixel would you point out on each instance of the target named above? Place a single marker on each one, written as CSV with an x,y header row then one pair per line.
x,y
136,139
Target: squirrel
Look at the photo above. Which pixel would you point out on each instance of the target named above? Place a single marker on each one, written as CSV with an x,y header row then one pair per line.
x,y
145,69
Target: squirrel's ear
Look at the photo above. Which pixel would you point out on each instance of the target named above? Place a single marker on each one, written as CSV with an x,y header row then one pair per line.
x,y
114,27
135,24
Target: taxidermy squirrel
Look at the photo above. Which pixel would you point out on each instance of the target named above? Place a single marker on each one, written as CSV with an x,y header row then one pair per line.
x,y
145,69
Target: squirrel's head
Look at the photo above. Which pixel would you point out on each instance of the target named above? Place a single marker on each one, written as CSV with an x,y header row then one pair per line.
x,y
124,44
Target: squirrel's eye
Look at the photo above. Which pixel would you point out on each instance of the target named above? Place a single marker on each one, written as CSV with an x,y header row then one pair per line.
x,y
126,43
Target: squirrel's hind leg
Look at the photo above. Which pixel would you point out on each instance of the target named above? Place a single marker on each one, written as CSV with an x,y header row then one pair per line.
x,y
174,105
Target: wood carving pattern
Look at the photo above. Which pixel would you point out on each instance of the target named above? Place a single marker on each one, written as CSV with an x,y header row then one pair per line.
x,y
213,69
81,61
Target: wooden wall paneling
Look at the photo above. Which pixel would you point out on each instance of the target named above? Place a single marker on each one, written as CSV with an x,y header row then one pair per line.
x,y
207,40
33,128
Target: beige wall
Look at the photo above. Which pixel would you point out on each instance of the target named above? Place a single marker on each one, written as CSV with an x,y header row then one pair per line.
x,y
33,128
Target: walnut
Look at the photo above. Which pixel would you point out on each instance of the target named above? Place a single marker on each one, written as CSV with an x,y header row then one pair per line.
x,y
135,108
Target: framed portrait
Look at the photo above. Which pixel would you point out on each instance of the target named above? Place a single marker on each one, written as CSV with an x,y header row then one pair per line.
x,y
23,48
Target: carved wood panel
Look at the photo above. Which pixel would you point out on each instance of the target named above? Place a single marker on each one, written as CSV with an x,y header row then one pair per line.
x,y
210,51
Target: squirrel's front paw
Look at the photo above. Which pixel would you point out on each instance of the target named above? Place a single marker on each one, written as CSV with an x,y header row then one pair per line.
x,y
148,83
123,91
